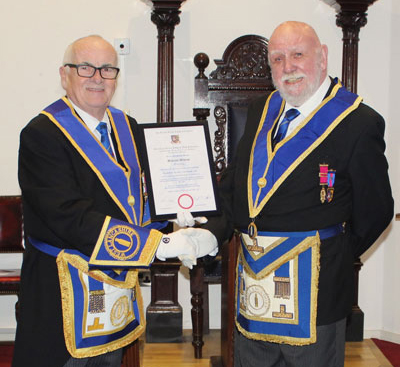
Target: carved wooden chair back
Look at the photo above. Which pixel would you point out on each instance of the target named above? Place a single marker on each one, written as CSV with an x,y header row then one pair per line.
x,y
222,98
241,75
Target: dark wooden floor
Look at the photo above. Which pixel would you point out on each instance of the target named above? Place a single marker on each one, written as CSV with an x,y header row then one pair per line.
x,y
358,354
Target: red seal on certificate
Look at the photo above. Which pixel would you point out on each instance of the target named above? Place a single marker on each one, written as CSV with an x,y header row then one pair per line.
x,y
185,201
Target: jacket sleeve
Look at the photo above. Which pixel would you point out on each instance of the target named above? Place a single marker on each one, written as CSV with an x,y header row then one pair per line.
x,y
64,203
222,225
372,206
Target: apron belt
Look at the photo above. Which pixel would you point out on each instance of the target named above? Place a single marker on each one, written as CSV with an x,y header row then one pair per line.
x,y
324,233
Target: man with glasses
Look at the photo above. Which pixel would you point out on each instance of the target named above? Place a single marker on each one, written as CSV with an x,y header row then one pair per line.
x,y
87,223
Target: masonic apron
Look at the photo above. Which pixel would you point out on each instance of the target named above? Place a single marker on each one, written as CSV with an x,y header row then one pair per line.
x,y
101,301
277,272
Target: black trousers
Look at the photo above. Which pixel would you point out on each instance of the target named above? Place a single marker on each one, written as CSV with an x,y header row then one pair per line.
x,y
112,359
328,351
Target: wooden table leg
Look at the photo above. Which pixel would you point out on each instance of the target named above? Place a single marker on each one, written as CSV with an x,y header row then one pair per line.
x,y
196,290
131,357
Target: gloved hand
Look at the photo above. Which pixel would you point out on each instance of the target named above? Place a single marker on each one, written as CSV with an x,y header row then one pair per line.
x,y
187,261
185,219
176,244
204,241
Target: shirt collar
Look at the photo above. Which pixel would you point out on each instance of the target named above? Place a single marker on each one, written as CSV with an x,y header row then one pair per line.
x,y
90,121
308,106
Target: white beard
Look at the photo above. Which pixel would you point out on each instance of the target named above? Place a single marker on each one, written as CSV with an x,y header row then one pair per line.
x,y
298,100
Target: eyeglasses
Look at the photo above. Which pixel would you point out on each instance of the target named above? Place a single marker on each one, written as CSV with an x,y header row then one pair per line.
x,y
87,71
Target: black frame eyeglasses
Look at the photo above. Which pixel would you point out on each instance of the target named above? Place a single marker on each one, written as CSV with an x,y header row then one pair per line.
x,y
88,71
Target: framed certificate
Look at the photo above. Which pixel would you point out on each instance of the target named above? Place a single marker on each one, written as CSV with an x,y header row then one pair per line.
x,y
179,169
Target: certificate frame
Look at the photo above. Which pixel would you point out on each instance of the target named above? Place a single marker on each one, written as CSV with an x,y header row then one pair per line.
x,y
174,154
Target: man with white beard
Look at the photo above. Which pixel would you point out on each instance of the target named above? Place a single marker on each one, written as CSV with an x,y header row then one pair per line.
x,y
309,192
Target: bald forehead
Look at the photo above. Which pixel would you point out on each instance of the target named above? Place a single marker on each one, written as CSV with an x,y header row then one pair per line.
x,y
292,33
90,44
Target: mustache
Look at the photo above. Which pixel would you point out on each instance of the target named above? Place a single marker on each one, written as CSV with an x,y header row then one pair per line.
x,y
95,87
290,76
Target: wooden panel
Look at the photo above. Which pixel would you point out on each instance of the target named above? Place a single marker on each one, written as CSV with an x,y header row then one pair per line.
x,y
229,258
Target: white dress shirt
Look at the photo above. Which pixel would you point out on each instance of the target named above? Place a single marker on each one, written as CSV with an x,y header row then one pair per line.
x,y
92,122
307,107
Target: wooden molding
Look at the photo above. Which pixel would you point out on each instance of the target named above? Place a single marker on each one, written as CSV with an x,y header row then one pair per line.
x,y
165,16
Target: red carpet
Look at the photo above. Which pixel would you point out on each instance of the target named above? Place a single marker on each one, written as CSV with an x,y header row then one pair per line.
x,y
390,350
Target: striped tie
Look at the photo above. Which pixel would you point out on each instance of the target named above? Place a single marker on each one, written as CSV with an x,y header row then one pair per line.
x,y
289,116
105,140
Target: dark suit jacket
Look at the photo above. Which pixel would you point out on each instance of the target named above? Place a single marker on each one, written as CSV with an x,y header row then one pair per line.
x,y
64,205
362,198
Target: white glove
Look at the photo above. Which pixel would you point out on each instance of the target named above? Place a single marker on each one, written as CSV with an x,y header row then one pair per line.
x,y
185,219
176,245
205,242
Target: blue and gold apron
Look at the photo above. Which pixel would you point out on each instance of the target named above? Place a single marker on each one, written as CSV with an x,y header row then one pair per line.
x,y
277,273
101,300
102,309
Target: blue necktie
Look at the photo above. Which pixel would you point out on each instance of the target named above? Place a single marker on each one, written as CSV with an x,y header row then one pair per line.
x,y
105,140
289,116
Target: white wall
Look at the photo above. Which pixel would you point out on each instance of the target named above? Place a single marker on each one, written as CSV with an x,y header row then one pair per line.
x,y
381,270
33,36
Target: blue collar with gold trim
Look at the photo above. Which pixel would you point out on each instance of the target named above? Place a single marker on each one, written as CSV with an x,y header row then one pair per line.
x,y
122,183
269,168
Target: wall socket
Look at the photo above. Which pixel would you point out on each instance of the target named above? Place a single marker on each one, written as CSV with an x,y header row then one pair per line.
x,y
122,46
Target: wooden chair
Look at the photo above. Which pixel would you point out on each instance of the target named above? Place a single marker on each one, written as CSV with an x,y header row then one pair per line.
x,y
11,241
241,75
